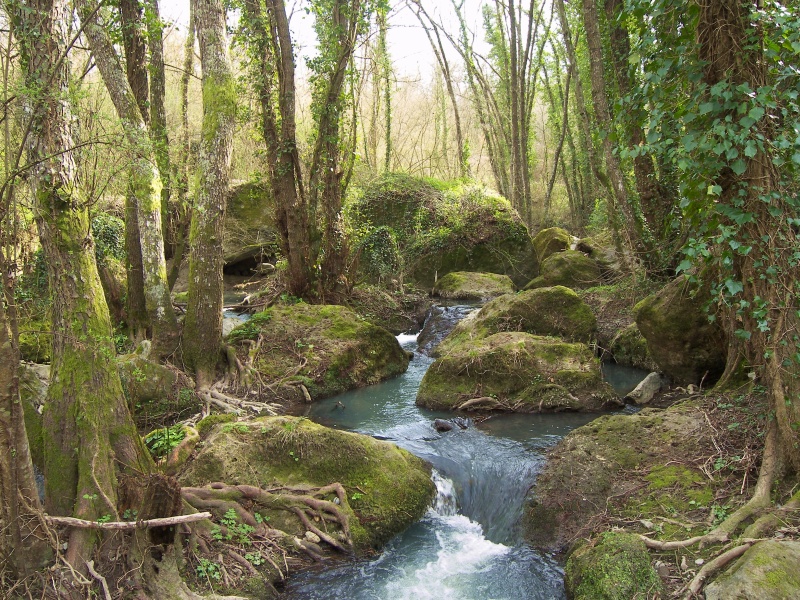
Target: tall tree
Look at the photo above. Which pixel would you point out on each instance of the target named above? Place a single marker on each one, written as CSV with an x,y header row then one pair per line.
x,y
146,183
308,202
90,435
203,328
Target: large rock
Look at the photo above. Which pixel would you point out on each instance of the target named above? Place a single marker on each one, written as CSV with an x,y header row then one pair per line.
x,y
685,345
769,570
33,382
517,372
569,268
626,465
616,566
328,349
387,488
554,311
414,228
36,339
465,285
549,241
629,347
250,235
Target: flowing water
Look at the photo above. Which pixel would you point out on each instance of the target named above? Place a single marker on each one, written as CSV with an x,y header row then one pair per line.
x,y
469,544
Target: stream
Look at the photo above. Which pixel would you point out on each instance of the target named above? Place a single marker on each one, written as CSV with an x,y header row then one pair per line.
x,y
469,544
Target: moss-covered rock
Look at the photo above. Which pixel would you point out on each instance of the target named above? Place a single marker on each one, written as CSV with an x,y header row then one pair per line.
x,y
629,347
329,349
425,228
769,570
614,567
569,268
395,311
549,241
465,285
250,234
519,372
387,487
685,345
592,470
554,311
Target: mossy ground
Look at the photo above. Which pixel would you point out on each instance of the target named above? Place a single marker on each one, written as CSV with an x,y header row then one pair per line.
x,y
669,474
556,311
387,487
327,348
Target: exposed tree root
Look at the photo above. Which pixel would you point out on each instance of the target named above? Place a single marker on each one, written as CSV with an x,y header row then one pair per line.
x,y
712,567
306,505
232,404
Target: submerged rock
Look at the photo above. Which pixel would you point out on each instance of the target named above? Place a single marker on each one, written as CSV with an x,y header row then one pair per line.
x,y
769,570
517,372
328,349
569,268
553,311
687,347
549,241
387,487
429,229
465,285
616,566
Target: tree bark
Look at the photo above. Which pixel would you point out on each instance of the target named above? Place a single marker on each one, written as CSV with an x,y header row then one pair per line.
x,y
145,182
90,434
203,328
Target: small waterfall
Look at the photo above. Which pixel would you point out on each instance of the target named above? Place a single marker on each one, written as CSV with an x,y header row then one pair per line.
x,y
446,503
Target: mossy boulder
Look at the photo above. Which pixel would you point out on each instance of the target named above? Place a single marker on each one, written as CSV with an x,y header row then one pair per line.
x,y
616,566
629,347
250,234
553,311
685,345
145,381
617,463
387,487
551,240
423,229
465,285
517,372
327,348
569,268
769,570
395,311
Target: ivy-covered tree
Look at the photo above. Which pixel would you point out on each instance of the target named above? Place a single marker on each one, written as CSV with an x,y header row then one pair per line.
x,y
721,85
308,198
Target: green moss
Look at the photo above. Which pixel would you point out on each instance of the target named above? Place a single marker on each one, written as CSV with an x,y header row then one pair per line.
x,y
526,373
387,487
329,348
442,228
556,311
569,268
36,340
464,285
206,424
614,567
549,241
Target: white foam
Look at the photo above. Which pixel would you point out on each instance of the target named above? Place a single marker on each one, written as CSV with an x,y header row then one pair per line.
x,y
463,554
407,338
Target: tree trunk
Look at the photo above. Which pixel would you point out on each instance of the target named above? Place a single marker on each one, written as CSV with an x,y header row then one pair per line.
x,y
768,272
89,432
618,195
203,327
22,542
145,183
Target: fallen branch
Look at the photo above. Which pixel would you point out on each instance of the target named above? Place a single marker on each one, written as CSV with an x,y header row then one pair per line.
x,y
125,525
100,578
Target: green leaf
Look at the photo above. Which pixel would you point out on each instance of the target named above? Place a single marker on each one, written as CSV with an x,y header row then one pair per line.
x,y
734,287
750,150
739,167
756,113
